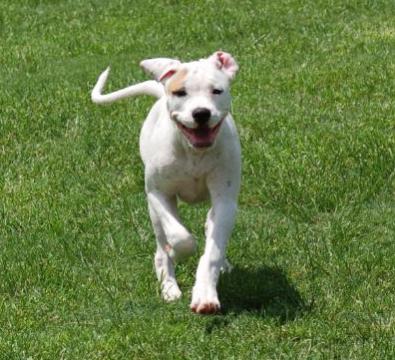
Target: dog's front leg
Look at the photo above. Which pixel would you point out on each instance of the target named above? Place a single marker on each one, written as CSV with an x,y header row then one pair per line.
x,y
173,241
179,242
219,226
164,266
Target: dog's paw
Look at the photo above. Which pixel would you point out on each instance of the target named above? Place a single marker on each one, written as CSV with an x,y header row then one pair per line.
x,y
206,308
170,291
205,301
181,246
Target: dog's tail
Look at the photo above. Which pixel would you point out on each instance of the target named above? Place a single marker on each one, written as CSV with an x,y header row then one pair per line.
x,y
150,87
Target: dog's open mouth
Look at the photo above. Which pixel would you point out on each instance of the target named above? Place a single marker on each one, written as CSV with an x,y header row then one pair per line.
x,y
202,136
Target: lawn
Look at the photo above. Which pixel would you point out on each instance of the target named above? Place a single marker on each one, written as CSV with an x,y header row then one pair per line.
x,y
314,243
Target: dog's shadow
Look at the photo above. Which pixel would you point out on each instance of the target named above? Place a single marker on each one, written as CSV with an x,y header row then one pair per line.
x,y
263,291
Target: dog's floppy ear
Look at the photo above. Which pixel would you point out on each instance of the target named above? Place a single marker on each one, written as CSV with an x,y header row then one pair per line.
x,y
161,68
225,62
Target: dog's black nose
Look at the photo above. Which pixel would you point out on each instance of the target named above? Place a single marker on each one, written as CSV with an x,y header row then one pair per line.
x,y
201,115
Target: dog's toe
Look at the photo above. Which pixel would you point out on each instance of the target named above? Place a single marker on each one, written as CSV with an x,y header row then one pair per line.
x,y
171,292
206,308
205,301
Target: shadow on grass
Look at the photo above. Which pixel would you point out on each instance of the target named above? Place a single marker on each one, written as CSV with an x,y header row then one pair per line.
x,y
263,291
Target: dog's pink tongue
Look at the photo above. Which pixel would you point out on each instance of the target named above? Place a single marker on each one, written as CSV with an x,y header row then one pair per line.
x,y
201,137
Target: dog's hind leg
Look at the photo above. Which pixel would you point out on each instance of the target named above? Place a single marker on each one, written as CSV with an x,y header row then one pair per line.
x,y
166,275
164,266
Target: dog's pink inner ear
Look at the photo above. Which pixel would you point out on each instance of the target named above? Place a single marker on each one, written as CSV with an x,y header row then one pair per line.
x,y
167,74
226,63
224,60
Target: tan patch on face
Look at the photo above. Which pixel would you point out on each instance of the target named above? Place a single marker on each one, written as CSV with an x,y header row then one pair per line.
x,y
176,83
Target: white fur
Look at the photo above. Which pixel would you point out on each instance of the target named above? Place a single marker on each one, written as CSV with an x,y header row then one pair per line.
x,y
150,87
177,167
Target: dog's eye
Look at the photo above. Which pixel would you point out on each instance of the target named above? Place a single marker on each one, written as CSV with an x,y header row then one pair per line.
x,y
217,91
179,93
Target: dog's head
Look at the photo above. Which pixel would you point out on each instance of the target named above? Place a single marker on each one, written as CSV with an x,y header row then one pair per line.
x,y
198,97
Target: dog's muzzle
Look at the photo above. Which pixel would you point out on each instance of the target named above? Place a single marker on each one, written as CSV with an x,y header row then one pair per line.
x,y
202,136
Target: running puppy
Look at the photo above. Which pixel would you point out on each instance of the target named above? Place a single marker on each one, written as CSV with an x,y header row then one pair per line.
x,y
191,151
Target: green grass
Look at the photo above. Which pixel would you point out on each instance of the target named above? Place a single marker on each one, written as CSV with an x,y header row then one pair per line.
x,y
313,248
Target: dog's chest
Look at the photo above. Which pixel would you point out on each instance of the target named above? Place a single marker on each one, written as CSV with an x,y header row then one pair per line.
x,y
186,177
192,190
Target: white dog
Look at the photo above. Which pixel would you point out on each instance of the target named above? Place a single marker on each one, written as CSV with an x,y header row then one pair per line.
x,y
190,148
